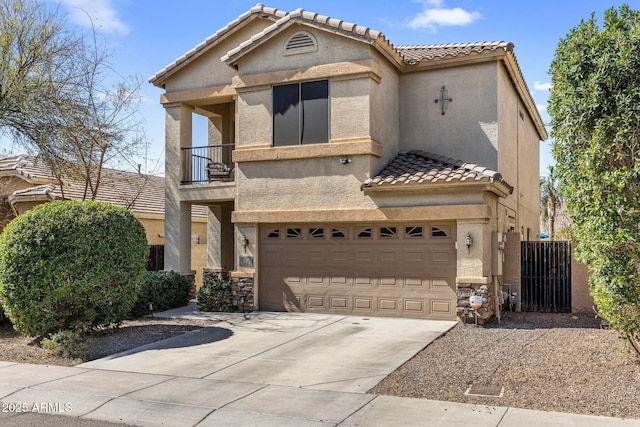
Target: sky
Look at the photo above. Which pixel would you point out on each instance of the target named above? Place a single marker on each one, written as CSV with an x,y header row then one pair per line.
x,y
143,36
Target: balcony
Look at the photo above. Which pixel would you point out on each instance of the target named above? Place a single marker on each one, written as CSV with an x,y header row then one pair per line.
x,y
203,165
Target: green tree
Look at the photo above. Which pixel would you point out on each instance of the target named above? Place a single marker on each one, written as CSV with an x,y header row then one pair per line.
x,y
595,109
60,98
550,200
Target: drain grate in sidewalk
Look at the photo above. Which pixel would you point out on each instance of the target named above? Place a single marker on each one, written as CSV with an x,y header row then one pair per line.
x,y
485,390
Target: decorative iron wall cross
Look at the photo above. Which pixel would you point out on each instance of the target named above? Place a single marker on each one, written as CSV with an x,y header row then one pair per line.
x,y
444,99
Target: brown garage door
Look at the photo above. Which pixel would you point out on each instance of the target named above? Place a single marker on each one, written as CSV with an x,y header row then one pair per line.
x,y
405,270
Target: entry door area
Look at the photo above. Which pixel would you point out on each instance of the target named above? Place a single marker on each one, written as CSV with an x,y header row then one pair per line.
x,y
403,270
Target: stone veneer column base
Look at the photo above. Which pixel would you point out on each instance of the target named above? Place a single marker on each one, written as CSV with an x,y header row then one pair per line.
x,y
465,312
242,288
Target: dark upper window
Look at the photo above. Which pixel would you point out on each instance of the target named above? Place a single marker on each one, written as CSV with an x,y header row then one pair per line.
x,y
301,113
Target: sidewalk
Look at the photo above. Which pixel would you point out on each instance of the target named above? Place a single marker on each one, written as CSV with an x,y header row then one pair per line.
x,y
264,369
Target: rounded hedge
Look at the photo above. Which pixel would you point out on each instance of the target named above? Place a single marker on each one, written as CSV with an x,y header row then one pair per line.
x,y
69,265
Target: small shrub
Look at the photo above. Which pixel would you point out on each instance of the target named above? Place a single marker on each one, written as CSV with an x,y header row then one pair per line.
x,y
165,289
69,344
215,295
71,266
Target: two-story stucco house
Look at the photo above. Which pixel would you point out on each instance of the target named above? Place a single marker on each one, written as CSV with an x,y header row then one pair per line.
x,y
348,175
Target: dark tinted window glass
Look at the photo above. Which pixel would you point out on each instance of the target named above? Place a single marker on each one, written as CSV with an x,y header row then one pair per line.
x,y
301,113
286,115
315,112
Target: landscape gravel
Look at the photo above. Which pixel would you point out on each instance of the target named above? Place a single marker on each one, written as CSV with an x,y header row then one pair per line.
x,y
549,362
131,334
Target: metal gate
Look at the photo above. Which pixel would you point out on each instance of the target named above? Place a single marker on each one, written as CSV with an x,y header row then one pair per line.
x,y
156,258
546,276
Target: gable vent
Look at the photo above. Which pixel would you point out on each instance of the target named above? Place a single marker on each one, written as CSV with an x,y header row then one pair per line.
x,y
300,42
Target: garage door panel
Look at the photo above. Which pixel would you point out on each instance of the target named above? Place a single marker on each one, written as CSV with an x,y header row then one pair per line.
x,y
441,309
340,255
415,283
362,280
340,303
291,257
314,280
415,306
388,305
441,257
316,255
342,281
363,304
389,281
364,255
316,302
388,256
414,256
441,283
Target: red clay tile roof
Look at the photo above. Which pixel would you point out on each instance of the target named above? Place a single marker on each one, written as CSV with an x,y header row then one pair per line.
x,y
138,192
420,167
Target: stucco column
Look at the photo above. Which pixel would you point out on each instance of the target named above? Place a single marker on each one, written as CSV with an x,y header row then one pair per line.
x,y
220,239
474,266
177,224
245,287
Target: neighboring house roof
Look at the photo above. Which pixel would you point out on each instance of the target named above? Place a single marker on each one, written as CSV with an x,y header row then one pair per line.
x,y
138,192
25,168
420,168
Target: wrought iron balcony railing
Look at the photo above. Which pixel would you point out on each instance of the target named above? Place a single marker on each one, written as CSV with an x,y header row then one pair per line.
x,y
207,164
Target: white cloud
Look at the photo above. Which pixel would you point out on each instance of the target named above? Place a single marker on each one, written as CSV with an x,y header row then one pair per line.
x,y
436,15
538,85
101,13
541,108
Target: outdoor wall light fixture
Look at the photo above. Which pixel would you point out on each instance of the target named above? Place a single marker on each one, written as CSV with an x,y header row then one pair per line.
x,y
468,241
245,243
345,160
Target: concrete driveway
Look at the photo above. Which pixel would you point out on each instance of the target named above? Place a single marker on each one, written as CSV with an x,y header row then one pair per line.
x,y
315,351
263,369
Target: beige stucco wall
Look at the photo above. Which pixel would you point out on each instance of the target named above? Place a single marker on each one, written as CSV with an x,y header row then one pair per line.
x,y
518,159
153,226
304,184
332,48
581,299
468,129
385,113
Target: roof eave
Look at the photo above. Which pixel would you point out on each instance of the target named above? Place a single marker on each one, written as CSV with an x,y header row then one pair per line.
x,y
485,184
454,60
354,32
257,12
511,64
